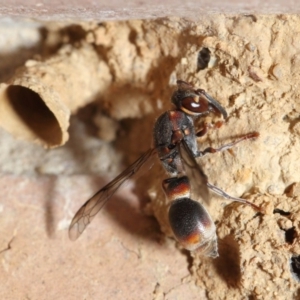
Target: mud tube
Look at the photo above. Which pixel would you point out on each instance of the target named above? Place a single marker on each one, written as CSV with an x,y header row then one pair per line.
x,y
36,104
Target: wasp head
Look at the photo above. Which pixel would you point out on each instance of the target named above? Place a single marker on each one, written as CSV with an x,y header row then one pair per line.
x,y
195,102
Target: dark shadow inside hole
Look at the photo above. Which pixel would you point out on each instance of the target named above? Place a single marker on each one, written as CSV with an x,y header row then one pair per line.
x,y
74,33
228,263
203,59
281,212
295,267
290,235
34,114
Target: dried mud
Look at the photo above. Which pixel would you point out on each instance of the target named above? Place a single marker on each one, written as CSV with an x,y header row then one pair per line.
x,y
254,72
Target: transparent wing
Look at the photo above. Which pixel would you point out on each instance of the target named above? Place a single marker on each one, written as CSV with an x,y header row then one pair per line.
x,y
91,207
194,172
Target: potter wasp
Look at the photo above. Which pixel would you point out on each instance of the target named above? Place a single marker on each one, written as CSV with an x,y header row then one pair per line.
x,y
187,188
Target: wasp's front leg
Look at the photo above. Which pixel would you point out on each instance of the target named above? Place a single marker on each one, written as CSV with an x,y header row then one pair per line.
x,y
229,145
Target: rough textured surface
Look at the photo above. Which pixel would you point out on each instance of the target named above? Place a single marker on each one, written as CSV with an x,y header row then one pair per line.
x,y
255,252
45,93
136,9
254,72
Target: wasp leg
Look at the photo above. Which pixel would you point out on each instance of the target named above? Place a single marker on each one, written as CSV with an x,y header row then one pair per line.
x,y
207,126
220,192
227,146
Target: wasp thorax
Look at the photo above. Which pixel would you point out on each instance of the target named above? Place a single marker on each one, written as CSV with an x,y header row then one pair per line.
x,y
193,227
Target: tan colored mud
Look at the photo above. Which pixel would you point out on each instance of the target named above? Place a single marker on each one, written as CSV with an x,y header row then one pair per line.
x,y
254,72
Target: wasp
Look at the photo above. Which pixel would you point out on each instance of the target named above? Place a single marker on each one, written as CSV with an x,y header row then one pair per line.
x,y
187,188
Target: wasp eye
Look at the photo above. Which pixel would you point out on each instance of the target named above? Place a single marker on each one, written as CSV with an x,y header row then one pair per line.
x,y
194,105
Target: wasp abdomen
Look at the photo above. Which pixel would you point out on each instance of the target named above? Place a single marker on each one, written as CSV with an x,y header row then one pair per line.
x,y
193,227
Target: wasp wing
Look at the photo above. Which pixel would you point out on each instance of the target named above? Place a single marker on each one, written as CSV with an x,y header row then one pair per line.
x,y
194,172
91,207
